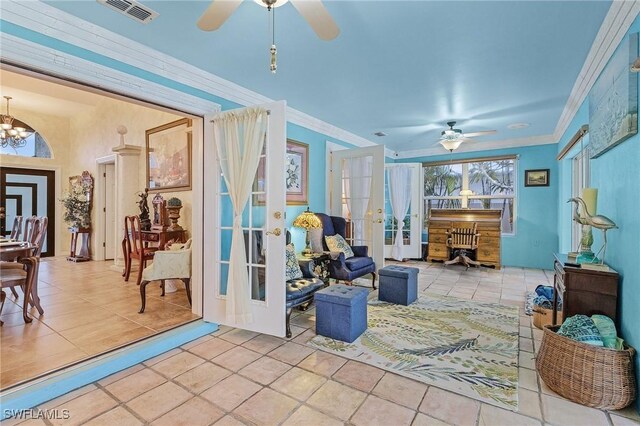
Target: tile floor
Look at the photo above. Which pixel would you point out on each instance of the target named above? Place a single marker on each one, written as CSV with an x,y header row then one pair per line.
x,y
88,309
235,377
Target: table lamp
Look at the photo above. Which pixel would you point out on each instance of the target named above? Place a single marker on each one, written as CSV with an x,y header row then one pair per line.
x,y
307,220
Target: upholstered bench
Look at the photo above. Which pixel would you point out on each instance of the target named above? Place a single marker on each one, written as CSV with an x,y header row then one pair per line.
x,y
341,312
398,284
300,291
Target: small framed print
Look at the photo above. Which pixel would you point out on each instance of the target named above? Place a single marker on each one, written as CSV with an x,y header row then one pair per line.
x,y
538,177
297,172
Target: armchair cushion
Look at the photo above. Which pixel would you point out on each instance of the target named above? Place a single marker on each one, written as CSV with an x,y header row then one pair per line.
x,y
355,263
292,270
337,243
360,251
168,264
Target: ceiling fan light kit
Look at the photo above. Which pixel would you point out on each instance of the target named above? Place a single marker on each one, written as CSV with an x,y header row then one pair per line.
x,y
313,11
452,138
451,144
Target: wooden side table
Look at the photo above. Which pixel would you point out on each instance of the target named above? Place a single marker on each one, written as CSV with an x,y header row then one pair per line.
x,y
583,291
85,249
321,262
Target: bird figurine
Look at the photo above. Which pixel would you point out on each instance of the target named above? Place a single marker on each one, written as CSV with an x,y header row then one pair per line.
x,y
598,221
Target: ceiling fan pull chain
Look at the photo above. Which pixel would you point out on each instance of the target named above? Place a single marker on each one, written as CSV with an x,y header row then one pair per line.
x,y
273,50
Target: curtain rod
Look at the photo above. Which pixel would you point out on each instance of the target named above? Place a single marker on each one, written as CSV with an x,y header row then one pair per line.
x,y
268,113
583,130
470,160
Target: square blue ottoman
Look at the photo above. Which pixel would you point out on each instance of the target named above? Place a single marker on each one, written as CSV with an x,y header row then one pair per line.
x,y
398,284
341,312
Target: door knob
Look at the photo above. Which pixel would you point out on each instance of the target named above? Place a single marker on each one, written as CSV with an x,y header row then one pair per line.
x,y
377,221
277,215
275,232
379,210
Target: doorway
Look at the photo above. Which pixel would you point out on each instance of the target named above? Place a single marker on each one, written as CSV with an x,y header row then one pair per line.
x,y
107,209
28,192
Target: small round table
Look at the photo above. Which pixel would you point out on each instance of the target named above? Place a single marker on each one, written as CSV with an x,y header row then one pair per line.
x,y
22,253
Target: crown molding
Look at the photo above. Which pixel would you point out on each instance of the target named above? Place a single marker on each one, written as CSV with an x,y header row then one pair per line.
x,y
614,27
55,23
478,146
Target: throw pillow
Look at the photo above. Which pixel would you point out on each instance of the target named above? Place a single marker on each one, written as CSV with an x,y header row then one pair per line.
x,y
337,243
293,271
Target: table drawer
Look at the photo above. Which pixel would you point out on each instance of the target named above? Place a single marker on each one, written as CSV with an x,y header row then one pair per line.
x,y
488,255
151,237
437,238
437,250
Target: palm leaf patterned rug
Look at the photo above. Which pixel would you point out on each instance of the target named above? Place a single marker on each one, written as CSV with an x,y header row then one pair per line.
x,y
464,346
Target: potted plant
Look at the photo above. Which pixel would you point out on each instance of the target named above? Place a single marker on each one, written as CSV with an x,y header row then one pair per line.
x,y
173,208
77,207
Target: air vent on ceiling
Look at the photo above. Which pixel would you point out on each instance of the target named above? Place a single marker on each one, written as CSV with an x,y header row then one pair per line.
x,y
380,134
132,9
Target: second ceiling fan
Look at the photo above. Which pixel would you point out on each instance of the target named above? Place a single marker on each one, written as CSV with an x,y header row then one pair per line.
x,y
313,11
452,138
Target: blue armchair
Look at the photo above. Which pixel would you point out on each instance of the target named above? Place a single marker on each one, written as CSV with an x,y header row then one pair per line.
x,y
343,269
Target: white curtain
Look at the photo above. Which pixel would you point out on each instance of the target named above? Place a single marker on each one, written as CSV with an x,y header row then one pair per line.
x,y
357,190
400,197
239,137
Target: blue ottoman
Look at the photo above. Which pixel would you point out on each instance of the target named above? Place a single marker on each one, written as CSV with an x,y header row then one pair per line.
x,y
398,285
341,312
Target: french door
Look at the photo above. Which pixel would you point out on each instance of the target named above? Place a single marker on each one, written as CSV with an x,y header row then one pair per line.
x,y
412,230
28,192
357,194
263,225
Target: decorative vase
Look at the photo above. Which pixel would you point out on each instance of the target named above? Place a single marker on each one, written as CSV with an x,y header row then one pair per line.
x,y
586,255
174,215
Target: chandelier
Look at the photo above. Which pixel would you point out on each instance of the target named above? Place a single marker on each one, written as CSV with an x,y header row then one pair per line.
x,y
13,133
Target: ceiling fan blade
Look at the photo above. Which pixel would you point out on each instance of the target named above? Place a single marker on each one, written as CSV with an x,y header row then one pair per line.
x,y
217,13
317,16
483,133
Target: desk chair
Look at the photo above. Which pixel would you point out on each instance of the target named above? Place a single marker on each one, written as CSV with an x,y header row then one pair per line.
x,y
461,241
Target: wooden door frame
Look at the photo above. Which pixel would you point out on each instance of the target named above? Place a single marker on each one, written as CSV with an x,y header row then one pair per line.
x,y
51,199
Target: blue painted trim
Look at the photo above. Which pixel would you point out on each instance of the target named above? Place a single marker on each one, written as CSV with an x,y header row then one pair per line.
x,y
48,389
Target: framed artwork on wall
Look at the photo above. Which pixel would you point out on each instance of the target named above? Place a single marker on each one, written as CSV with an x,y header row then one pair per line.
x,y
538,177
168,149
613,100
296,175
297,172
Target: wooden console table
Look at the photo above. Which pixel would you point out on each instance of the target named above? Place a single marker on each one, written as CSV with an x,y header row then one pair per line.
x,y
85,248
583,291
489,228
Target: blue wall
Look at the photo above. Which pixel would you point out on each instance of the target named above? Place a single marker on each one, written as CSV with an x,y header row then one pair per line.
x,y
536,238
616,175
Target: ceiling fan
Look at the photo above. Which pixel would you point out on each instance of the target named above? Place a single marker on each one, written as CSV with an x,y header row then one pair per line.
x,y
452,138
313,11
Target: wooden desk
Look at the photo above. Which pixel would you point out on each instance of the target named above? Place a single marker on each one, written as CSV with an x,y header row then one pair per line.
x,y
489,228
583,291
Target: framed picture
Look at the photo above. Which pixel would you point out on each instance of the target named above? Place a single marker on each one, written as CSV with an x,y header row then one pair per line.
x,y
613,100
168,150
538,177
296,175
297,172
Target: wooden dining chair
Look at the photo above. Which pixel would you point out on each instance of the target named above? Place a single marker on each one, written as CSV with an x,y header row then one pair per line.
x,y
37,227
134,247
21,277
16,230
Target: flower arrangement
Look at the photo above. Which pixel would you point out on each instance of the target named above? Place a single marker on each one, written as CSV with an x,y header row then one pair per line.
x,y
77,205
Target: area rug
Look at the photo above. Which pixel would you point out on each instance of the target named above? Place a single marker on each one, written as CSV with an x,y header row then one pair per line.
x,y
464,346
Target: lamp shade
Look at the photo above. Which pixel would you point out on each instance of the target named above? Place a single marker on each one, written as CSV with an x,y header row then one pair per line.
x,y
451,144
307,220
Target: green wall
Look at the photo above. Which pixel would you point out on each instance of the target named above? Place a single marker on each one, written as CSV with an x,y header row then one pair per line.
x,y
616,175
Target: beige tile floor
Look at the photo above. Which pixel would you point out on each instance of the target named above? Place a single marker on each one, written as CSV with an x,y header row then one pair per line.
x,y
88,309
235,377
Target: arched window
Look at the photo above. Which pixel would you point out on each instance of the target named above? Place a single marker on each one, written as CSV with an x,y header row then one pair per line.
x,y
34,146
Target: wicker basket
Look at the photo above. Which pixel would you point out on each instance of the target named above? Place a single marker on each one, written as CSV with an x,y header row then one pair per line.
x,y
589,375
542,316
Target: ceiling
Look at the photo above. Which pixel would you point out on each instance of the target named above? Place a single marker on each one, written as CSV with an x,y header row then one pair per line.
x,y
401,67
40,96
